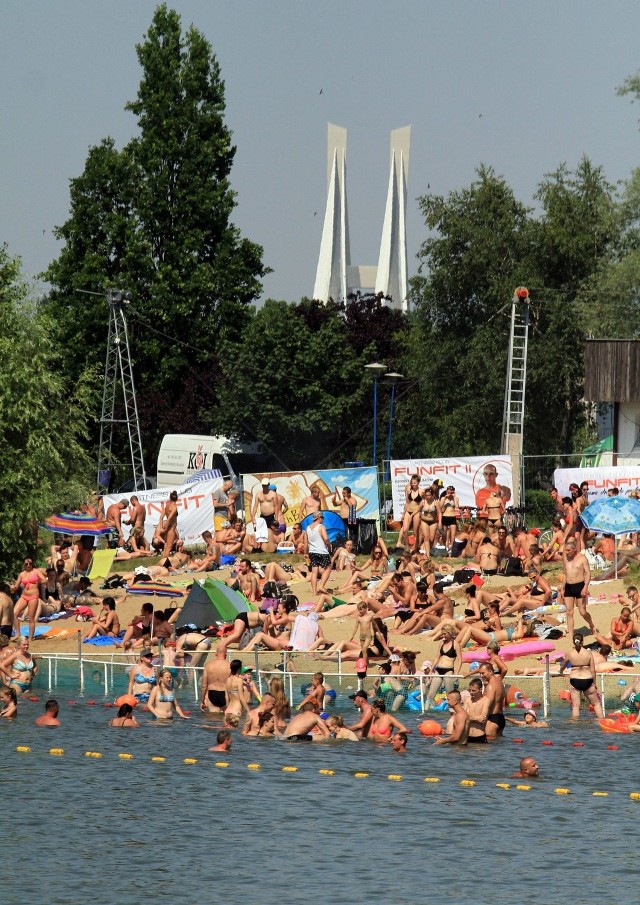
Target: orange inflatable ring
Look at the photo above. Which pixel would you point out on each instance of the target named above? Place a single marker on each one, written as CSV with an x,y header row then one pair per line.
x,y
126,699
618,723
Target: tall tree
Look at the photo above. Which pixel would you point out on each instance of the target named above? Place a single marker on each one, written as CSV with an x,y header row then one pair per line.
x,y
155,218
42,421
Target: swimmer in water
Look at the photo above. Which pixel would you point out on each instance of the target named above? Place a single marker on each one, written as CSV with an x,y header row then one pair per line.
x,y
528,769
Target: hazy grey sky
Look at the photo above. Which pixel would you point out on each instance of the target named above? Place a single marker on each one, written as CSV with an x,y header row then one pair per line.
x,y
520,86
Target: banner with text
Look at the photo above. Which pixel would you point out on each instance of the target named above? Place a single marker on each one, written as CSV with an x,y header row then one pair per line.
x,y
473,477
600,479
294,486
195,508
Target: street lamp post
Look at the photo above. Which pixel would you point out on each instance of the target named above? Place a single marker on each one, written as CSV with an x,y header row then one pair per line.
x,y
393,377
377,370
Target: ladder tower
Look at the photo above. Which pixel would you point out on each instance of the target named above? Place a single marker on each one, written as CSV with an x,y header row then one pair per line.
x,y
119,387
515,389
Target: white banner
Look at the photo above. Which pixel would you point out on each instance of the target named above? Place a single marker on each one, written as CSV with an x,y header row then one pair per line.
x,y
195,508
600,480
473,478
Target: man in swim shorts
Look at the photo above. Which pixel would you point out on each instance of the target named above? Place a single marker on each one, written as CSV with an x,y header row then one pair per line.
x,y
50,715
214,681
7,618
495,692
362,727
575,590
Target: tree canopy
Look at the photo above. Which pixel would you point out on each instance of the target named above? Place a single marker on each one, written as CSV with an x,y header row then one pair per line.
x,y
155,218
45,465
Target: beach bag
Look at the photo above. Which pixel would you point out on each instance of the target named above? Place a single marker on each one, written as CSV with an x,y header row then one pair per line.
x,y
513,566
462,576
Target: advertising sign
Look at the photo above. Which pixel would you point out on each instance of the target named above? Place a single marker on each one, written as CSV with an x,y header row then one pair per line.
x,y
195,508
473,477
600,480
294,486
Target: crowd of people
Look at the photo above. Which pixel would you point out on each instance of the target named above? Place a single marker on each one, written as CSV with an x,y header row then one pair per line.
x,y
395,591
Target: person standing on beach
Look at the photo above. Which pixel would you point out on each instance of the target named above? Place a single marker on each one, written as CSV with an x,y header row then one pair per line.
x,y
113,518
138,541
575,587
318,548
170,523
266,500
311,503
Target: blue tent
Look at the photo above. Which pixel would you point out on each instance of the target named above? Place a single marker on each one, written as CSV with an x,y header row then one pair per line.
x,y
332,522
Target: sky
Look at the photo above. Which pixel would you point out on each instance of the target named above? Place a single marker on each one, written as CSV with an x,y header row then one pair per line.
x,y
520,86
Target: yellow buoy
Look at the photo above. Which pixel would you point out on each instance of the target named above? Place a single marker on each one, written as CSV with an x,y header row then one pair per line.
x,y
635,796
190,760
361,775
467,782
253,766
395,777
503,785
600,794
431,779
524,788
562,791
24,748
327,772
221,763
125,756
158,760
56,750
289,769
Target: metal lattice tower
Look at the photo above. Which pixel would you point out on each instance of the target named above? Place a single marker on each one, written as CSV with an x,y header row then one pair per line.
x,y
515,389
118,385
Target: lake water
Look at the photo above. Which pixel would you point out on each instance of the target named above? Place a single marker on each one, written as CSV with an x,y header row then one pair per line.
x,y
78,829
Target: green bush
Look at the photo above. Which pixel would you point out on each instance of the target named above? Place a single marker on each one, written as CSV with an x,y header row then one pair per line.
x,y
540,508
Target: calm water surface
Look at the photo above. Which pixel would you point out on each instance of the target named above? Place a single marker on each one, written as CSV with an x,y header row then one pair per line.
x,y
78,829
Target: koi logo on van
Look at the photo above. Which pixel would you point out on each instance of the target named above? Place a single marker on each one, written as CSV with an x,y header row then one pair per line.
x,y
197,460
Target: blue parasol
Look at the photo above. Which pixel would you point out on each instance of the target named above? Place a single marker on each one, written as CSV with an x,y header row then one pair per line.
x,y
613,515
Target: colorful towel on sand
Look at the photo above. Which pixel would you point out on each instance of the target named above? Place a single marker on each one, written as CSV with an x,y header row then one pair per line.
x,y
159,588
40,632
103,640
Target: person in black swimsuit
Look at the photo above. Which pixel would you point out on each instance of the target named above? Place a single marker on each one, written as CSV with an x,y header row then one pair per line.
x,y
446,666
583,677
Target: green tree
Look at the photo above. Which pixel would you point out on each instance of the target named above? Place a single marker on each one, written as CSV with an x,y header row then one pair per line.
x,y
155,218
296,382
42,421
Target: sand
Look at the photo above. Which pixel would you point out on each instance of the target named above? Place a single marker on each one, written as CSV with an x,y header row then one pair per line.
x,y
66,638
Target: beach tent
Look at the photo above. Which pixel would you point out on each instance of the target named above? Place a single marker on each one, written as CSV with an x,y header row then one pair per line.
x,y
212,602
332,522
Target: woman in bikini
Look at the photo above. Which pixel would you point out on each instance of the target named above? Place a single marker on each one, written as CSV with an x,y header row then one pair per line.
x,y
430,518
142,677
282,707
583,677
450,507
29,580
383,723
350,650
412,508
447,665
20,668
236,690
124,718
483,636
163,702
376,564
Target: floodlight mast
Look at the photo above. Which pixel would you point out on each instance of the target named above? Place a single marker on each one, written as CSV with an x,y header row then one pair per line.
x,y
118,375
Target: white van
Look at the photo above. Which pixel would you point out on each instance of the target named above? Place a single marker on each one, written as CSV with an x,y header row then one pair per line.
x,y
182,454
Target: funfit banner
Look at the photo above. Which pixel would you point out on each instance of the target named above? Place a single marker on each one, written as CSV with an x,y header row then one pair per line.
x,y
474,477
195,508
600,480
294,486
